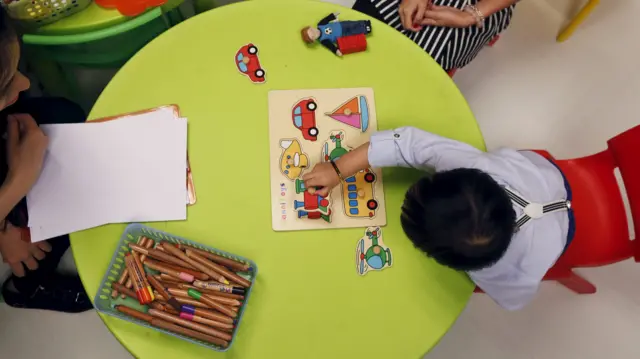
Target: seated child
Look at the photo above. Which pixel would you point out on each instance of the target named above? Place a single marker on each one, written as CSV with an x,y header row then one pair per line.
x,y
452,31
35,282
502,216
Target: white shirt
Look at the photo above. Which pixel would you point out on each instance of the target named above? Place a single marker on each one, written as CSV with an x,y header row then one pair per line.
x,y
512,281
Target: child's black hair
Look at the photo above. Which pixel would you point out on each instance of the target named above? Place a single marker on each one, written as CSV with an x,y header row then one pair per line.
x,y
7,62
462,218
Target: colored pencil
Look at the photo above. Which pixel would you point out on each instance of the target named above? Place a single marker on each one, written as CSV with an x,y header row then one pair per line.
x,y
185,323
219,317
205,321
163,277
136,260
219,287
157,322
178,253
222,300
141,241
134,313
158,286
210,291
163,324
142,293
124,290
218,269
164,269
213,304
160,255
227,262
195,273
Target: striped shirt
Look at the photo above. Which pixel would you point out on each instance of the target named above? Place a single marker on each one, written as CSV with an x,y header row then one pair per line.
x,y
452,48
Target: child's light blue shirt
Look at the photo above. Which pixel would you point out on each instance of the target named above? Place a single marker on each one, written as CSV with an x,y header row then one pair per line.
x,y
513,281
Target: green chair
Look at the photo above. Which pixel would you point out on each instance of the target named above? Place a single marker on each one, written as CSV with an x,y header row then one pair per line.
x,y
94,38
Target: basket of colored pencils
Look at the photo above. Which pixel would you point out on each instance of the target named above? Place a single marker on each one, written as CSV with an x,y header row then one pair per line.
x,y
176,286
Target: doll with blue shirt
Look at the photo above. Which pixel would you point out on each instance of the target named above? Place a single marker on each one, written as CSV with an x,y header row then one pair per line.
x,y
329,30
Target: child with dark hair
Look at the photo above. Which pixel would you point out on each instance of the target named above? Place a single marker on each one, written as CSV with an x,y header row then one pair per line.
x,y
34,282
503,216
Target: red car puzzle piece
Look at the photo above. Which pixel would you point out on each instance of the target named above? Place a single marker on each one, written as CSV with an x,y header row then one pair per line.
x,y
248,63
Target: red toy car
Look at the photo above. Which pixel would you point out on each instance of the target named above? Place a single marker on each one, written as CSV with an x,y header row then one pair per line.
x,y
304,118
248,63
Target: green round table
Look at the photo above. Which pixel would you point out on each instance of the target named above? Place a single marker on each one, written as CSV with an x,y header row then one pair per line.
x,y
308,300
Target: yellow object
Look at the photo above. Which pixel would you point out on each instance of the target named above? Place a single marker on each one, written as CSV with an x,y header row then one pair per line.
x,y
308,301
577,20
293,161
358,195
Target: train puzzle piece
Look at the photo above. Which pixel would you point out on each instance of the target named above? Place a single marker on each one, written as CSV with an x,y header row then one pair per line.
x,y
312,206
371,253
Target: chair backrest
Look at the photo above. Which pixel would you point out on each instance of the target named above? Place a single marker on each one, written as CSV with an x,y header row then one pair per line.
x,y
602,236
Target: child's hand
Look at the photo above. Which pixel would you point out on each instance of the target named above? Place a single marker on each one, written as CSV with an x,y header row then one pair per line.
x,y
26,147
447,16
411,13
16,251
323,176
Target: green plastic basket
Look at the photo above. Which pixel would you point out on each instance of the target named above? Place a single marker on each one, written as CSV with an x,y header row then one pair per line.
x,y
32,14
105,304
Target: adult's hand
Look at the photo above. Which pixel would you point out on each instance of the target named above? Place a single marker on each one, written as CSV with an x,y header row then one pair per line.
x,y
447,16
411,13
26,147
18,252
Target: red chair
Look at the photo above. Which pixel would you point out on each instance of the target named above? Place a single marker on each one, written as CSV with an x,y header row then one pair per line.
x,y
602,235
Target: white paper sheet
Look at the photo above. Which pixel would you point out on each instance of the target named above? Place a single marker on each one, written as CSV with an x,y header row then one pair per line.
x,y
120,171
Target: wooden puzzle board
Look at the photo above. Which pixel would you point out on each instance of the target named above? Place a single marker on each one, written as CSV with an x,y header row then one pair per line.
x,y
310,126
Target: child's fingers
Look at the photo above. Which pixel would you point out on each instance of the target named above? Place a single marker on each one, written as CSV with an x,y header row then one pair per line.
x,y
44,245
17,269
313,182
31,263
37,253
323,192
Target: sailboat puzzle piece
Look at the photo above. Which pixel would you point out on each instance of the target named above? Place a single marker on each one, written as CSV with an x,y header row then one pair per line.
x,y
354,113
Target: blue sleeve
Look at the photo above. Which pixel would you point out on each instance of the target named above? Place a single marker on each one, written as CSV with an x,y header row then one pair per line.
x,y
412,147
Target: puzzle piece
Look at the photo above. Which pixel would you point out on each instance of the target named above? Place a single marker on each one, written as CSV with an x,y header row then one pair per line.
x,y
333,147
304,118
248,63
292,161
354,113
313,206
371,253
358,194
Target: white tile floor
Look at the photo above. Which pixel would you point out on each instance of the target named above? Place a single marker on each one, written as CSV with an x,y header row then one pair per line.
x,y
527,92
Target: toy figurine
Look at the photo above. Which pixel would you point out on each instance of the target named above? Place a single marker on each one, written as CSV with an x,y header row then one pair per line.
x,y
329,33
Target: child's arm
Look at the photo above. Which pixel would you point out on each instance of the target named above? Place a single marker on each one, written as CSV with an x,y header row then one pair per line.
x,y
402,147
